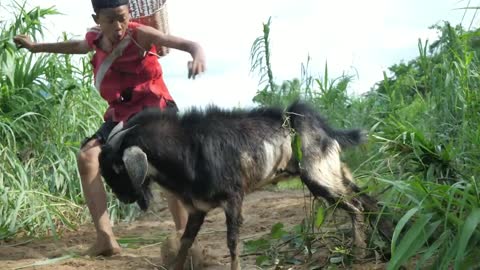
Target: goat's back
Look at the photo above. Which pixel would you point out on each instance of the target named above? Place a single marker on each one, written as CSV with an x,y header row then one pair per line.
x,y
206,148
215,152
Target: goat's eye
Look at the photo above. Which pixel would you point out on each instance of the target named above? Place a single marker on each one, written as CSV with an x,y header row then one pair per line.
x,y
117,169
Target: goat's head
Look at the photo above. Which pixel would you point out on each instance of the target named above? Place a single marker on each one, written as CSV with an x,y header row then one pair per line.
x,y
124,169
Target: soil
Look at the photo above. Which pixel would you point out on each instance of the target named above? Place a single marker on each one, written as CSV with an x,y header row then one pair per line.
x,y
142,239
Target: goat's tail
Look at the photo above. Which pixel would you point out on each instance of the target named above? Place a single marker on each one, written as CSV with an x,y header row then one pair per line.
x,y
304,119
352,137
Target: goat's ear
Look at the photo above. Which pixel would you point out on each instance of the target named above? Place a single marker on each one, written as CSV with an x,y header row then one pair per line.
x,y
136,163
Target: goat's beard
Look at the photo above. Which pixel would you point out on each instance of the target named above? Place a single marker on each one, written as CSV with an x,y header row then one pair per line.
x,y
143,200
143,203
141,196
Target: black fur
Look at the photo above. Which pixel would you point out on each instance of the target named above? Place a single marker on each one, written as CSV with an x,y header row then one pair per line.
x,y
216,156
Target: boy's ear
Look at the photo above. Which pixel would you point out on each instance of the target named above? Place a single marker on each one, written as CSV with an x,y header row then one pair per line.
x,y
95,18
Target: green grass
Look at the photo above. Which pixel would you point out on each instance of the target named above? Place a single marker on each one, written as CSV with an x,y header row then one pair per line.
x,y
421,157
292,184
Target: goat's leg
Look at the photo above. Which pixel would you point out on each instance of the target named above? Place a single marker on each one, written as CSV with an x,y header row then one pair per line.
x,y
377,219
334,190
369,204
194,223
358,225
233,214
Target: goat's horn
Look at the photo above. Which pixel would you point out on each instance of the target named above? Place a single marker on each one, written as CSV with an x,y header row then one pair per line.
x,y
116,139
115,130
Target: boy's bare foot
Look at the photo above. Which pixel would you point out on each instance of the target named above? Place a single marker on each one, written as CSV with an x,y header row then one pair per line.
x,y
104,247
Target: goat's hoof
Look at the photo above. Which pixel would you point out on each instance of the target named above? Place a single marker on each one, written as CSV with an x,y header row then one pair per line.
x,y
235,265
175,265
170,249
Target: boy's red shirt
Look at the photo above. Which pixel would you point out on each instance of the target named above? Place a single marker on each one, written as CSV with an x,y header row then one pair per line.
x,y
142,75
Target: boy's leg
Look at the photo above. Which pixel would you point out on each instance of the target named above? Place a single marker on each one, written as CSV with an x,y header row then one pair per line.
x,y
179,214
96,198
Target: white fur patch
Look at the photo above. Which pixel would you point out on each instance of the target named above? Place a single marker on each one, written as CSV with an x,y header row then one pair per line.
x,y
278,153
270,158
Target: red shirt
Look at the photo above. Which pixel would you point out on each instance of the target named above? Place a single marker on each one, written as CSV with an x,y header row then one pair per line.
x,y
131,72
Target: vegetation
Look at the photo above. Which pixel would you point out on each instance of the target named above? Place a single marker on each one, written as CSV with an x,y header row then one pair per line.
x,y
423,148
47,107
420,160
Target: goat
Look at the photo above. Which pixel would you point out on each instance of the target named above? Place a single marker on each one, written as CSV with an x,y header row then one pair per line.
x,y
212,158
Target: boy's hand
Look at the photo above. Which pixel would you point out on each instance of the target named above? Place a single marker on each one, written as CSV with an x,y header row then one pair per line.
x,y
163,51
196,66
24,41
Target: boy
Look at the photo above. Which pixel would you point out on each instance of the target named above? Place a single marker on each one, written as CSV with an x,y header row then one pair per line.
x,y
129,77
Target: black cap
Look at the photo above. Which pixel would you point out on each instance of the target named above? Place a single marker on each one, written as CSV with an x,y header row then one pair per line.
x,y
99,4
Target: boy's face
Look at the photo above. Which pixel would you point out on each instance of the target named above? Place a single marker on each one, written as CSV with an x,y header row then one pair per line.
x,y
113,22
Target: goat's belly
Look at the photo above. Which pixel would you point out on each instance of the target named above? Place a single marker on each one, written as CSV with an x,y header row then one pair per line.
x,y
195,205
203,205
277,177
277,160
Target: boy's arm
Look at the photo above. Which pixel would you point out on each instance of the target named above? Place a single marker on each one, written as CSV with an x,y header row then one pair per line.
x,y
150,36
65,47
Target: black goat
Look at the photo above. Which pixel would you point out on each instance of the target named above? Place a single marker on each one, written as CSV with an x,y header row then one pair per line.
x,y
212,158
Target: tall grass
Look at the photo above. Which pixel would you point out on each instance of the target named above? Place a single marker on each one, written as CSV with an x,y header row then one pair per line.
x,y
47,107
432,140
421,158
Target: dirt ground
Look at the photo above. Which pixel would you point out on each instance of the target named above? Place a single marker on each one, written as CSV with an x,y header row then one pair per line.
x,y
142,239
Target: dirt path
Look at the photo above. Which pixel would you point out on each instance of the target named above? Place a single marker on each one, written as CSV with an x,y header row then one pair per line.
x,y
261,210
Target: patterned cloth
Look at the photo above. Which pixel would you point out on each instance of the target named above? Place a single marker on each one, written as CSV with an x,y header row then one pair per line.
x,y
142,8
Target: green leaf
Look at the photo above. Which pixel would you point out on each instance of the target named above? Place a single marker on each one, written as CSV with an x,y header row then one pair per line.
x,y
429,253
413,240
465,234
319,217
400,225
297,147
262,260
256,245
277,231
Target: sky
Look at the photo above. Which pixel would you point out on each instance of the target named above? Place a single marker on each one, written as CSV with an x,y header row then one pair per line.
x,y
358,38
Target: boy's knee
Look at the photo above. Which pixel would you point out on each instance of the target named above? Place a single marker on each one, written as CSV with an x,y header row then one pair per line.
x,y
88,155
